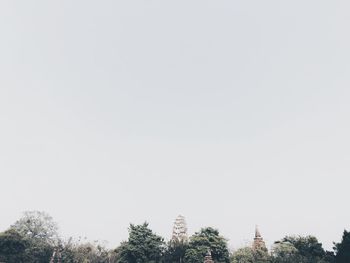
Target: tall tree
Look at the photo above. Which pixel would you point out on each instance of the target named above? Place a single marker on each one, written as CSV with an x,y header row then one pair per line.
x,y
200,242
342,249
143,246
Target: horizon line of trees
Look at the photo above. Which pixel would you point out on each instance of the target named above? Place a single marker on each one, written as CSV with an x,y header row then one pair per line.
x,y
34,238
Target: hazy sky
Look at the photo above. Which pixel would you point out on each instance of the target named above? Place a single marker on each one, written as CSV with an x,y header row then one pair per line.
x,y
232,113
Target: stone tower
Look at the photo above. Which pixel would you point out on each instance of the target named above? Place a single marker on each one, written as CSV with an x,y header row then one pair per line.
x,y
208,258
180,230
258,243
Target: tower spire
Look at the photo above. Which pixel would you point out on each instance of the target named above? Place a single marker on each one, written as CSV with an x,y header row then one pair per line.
x,y
258,243
257,232
180,230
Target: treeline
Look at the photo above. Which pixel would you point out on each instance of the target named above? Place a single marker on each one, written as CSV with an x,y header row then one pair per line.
x,y
34,239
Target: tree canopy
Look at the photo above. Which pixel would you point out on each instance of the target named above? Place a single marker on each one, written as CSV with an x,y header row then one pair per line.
x,y
143,246
299,249
343,249
31,238
200,242
12,247
175,251
37,225
34,238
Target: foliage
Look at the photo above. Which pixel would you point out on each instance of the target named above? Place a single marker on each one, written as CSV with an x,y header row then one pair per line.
x,y
200,242
249,255
37,225
330,257
285,252
34,238
342,249
175,251
12,247
30,239
143,246
243,255
78,252
299,249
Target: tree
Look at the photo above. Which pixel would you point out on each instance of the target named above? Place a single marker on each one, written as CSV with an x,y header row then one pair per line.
x,y
39,232
12,247
175,251
37,225
243,255
342,249
78,252
285,252
330,257
200,242
299,249
250,255
143,246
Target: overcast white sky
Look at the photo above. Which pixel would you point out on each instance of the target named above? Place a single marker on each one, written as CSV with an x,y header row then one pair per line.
x,y
232,113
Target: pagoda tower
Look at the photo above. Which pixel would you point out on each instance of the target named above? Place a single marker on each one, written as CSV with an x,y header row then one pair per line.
x,y
208,258
259,243
180,230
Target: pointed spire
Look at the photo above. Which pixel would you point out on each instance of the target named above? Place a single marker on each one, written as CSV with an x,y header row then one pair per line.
x,y
258,240
257,232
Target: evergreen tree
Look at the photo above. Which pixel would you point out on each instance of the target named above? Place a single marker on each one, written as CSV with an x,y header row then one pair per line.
x,y
143,246
200,242
342,249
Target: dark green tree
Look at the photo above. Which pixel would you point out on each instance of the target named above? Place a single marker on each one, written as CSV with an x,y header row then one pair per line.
x,y
175,251
31,239
342,249
12,247
200,242
330,257
143,246
299,249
